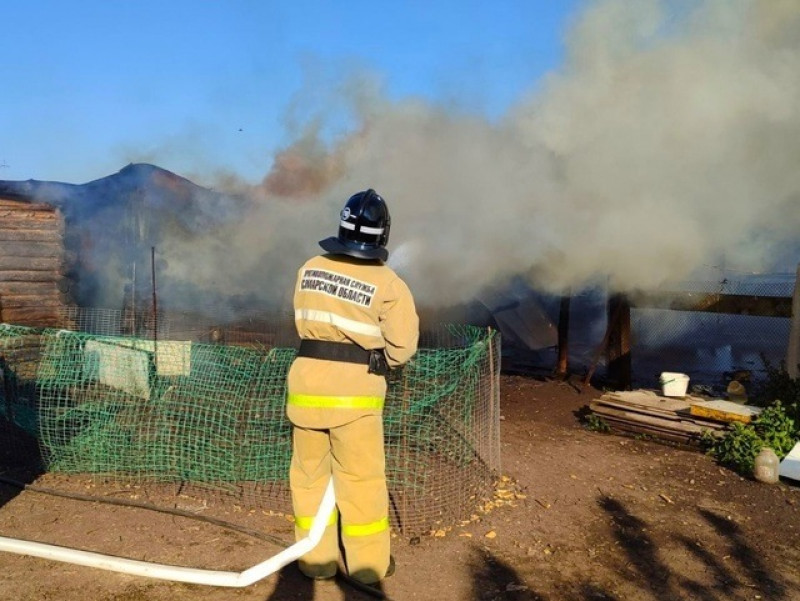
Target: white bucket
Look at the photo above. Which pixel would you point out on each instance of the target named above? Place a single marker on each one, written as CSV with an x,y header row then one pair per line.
x,y
673,383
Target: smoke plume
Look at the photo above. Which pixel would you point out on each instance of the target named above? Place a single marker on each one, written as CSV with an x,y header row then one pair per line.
x,y
667,141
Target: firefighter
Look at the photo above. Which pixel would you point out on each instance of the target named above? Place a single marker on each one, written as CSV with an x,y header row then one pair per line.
x,y
356,320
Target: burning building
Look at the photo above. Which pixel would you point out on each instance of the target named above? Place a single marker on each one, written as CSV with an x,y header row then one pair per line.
x,y
91,245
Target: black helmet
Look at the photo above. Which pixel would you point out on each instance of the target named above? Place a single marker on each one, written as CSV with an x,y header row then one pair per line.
x,y
363,228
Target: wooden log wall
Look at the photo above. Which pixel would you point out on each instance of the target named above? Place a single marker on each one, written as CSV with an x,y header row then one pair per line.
x,y
33,262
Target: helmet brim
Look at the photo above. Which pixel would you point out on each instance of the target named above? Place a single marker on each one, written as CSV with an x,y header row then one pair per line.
x,y
335,246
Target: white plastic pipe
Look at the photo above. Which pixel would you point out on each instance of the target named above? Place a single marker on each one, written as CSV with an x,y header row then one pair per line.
x,y
177,573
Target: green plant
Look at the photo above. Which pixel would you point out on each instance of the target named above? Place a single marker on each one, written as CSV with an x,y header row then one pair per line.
x,y
596,423
777,428
738,448
779,386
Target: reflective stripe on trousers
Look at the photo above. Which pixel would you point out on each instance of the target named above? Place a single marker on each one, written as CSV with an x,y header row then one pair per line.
x,y
334,402
365,529
305,522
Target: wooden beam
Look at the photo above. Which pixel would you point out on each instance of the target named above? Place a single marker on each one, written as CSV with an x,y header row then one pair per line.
x,y
30,315
31,235
20,301
29,288
732,304
27,214
562,366
18,205
618,351
15,263
793,349
32,249
30,276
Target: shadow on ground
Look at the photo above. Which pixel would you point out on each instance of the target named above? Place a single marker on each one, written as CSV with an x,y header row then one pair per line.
x,y
20,460
292,584
647,568
738,575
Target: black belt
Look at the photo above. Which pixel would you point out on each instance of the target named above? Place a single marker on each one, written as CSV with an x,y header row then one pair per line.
x,y
333,351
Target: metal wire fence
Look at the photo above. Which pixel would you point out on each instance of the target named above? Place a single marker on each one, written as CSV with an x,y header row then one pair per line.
x,y
712,348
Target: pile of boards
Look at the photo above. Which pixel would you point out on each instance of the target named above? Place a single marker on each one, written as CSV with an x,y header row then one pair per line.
x,y
681,420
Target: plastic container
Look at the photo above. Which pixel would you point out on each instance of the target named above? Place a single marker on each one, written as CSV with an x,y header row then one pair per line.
x,y
766,467
673,383
790,466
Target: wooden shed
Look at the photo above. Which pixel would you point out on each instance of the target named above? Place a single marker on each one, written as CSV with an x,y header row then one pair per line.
x,y
34,263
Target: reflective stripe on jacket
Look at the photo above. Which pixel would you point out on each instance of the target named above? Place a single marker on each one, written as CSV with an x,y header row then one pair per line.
x,y
341,299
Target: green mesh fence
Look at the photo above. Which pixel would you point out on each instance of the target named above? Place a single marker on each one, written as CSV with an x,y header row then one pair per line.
x,y
210,417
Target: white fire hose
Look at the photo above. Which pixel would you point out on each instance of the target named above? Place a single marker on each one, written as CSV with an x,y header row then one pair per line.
x,y
177,573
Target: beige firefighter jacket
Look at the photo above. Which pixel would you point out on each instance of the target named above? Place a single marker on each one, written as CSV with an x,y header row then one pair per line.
x,y
341,299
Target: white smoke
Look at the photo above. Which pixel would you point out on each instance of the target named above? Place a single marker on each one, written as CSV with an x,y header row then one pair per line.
x,y
669,138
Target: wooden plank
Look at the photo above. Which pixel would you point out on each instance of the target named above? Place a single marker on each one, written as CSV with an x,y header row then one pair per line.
x,y
18,223
30,315
32,249
725,411
49,300
46,322
20,205
666,414
645,429
648,399
28,288
683,425
31,235
15,263
20,348
716,431
672,437
34,216
733,304
30,276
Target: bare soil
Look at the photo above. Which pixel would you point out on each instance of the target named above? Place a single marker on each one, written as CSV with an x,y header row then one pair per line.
x,y
577,516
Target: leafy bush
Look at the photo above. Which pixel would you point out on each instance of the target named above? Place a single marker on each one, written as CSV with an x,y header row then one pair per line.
x,y
777,427
596,423
737,449
779,386
774,428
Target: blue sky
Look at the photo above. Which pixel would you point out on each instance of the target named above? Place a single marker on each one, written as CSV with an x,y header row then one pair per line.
x,y
200,85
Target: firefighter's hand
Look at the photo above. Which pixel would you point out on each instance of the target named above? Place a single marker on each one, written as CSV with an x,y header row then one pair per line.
x,y
378,364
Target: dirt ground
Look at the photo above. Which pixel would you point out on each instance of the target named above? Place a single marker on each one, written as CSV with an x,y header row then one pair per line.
x,y
578,516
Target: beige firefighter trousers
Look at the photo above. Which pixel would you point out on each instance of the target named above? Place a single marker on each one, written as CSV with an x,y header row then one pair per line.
x,y
353,455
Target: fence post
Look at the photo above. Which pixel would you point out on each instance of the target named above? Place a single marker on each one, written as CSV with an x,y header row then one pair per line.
x,y
618,351
562,364
793,349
